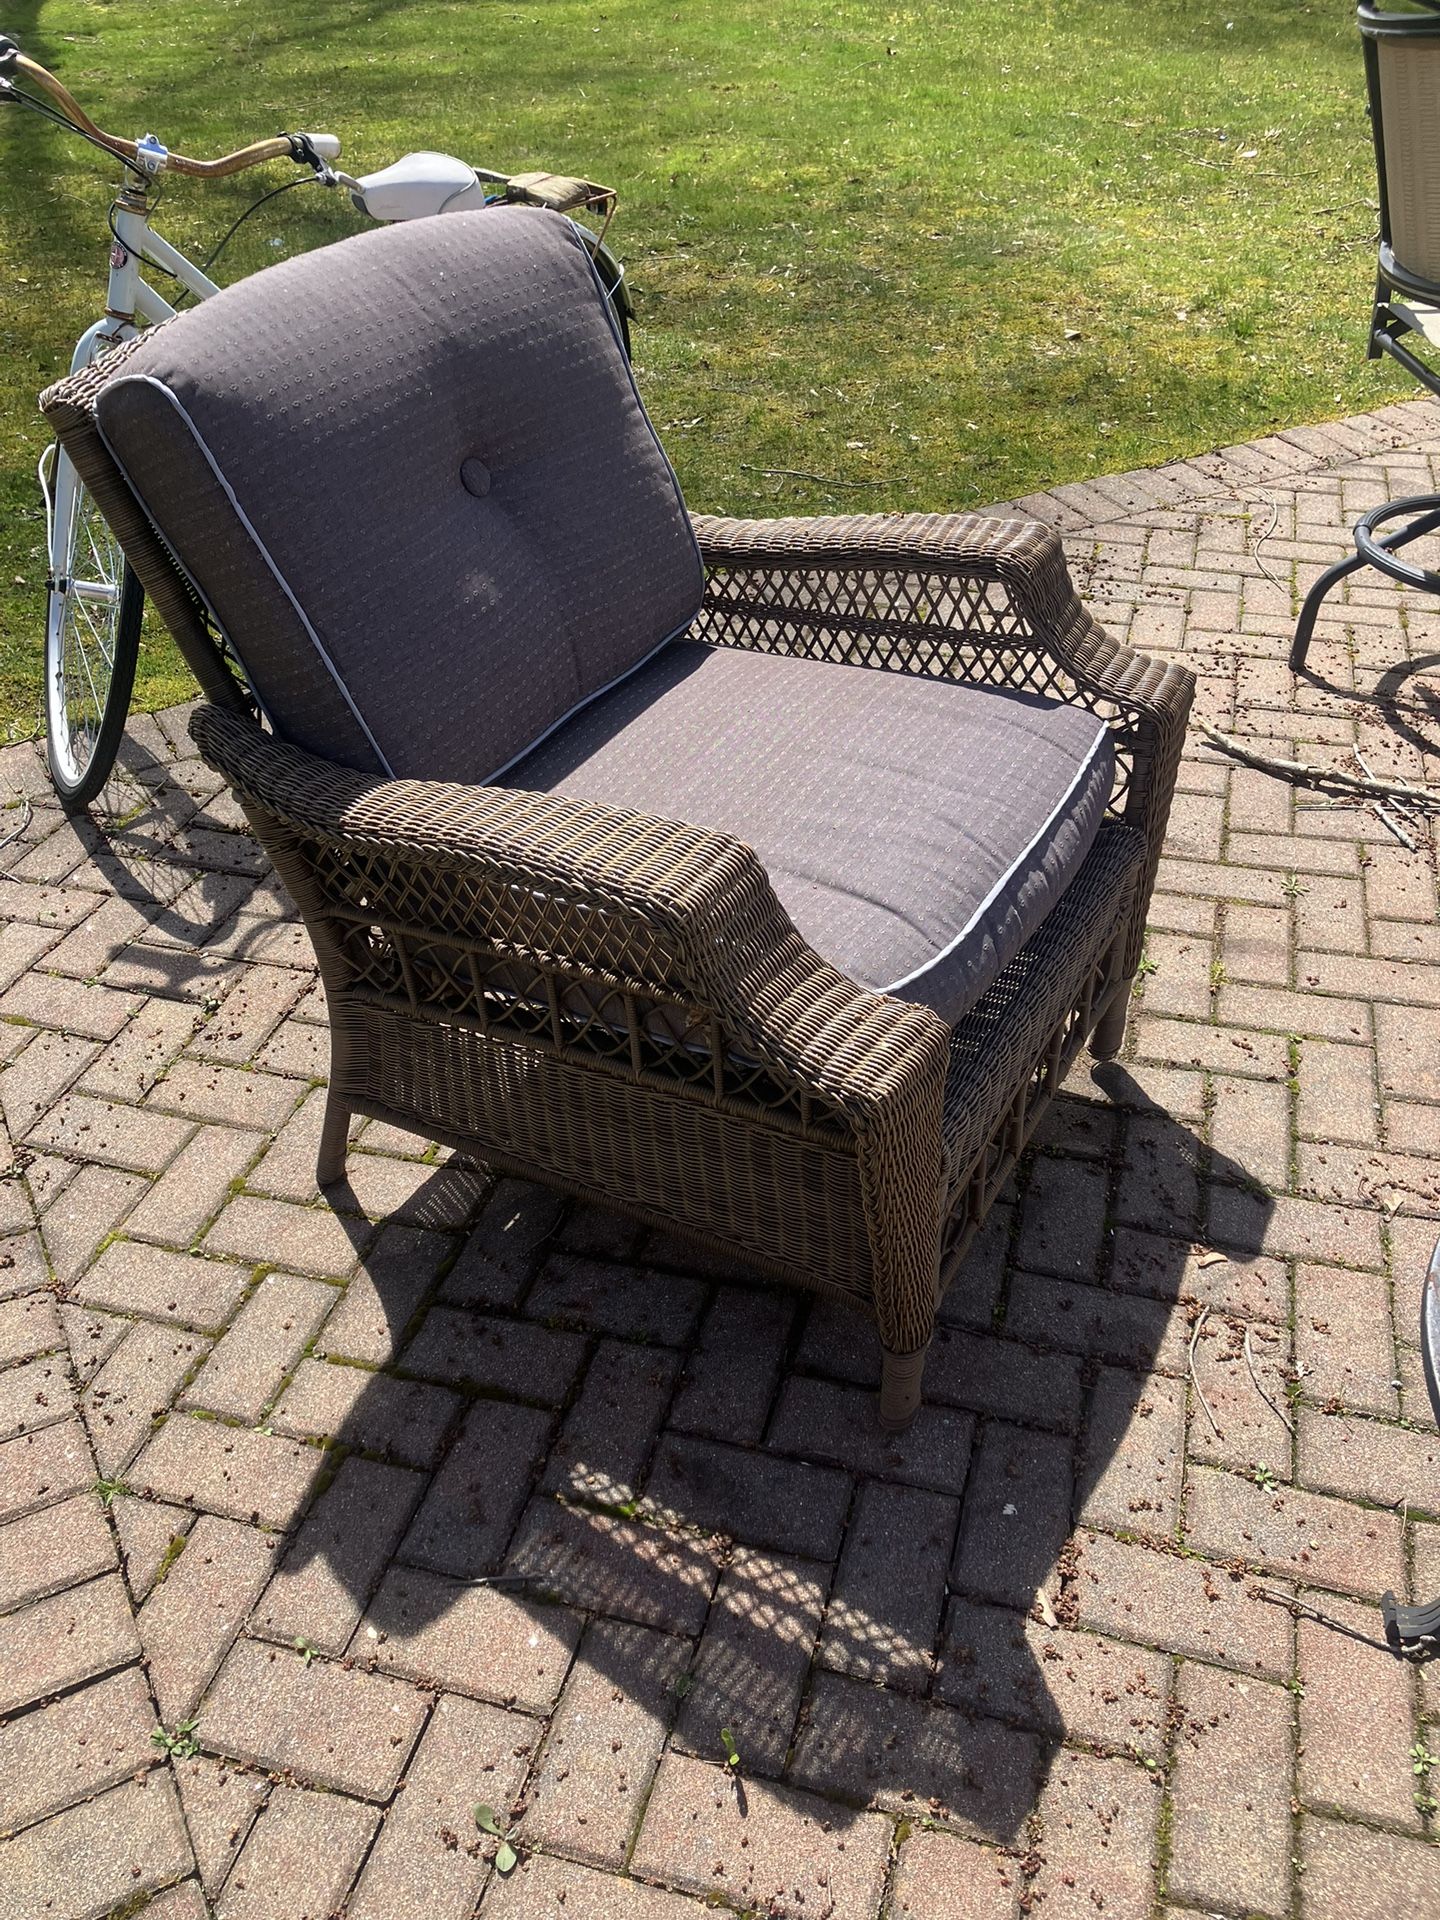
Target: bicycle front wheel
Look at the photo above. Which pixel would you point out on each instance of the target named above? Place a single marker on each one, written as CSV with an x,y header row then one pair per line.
x,y
92,640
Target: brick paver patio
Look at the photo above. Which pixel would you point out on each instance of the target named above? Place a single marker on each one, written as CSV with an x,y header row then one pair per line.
x,y
259,1456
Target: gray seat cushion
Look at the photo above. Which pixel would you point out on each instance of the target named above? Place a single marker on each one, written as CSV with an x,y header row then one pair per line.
x,y
412,479
917,832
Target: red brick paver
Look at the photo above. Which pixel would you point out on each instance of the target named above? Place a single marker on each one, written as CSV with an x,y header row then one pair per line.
x,y
465,1494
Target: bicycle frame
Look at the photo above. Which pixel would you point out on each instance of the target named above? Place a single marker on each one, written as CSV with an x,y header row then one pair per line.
x,y
129,301
128,294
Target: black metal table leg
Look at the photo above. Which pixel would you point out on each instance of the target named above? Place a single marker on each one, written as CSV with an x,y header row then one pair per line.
x,y
1305,625
1377,550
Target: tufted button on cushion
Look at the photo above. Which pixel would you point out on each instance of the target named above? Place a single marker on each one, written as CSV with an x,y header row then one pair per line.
x,y
347,389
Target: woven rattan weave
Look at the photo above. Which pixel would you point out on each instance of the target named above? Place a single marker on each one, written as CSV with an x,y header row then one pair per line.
x,y
620,1007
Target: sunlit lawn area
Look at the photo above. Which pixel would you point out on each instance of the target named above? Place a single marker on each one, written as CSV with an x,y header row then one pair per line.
x,y
927,256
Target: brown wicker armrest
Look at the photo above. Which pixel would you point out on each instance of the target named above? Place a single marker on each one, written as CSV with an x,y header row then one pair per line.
x,y
669,906
965,597
639,912
1037,610
971,540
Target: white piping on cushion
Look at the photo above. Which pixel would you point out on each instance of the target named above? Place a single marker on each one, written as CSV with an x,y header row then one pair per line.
x,y
150,380
300,613
1084,772
195,586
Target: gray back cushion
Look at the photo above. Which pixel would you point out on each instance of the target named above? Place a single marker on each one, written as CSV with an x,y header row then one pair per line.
x,y
411,478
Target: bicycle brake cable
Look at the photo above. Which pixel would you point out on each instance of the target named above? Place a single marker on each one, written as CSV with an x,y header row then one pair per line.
x,y
9,91
302,180
155,265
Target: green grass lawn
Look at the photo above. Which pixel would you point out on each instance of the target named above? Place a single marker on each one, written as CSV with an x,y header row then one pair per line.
x,y
935,255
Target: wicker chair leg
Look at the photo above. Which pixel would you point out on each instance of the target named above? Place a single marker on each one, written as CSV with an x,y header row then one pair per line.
x,y
900,1388
334,1137
1109,1034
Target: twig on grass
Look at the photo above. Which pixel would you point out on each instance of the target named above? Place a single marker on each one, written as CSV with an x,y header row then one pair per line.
x,y
799,473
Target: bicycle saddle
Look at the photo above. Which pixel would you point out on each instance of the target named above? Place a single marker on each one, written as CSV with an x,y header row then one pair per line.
x,y
420,184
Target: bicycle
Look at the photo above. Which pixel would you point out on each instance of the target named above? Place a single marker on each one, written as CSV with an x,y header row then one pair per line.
x,y
94,603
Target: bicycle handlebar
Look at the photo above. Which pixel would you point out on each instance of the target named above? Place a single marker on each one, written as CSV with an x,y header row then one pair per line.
x,y
282,146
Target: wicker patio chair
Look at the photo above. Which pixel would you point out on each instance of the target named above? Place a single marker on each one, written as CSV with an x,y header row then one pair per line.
x,y
757,878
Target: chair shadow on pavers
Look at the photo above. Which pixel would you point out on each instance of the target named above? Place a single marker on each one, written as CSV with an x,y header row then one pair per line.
x,y
187,896
588,1438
